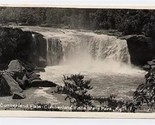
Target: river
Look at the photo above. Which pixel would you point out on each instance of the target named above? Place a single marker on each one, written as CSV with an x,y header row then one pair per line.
x,y
102,58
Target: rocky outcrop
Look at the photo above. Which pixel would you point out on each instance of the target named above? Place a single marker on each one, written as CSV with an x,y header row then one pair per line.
x,y
141,48
18,78
8,83
23,45
39,49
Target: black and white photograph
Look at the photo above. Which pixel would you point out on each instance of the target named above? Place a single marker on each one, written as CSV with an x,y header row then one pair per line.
x,y
77,59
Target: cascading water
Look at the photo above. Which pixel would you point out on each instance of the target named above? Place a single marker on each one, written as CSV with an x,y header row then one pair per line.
x,y
86,53
109,48
54,51
103,59
98,48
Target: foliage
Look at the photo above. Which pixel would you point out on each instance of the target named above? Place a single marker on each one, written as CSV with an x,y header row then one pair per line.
x,y
126,21
145,93
76,90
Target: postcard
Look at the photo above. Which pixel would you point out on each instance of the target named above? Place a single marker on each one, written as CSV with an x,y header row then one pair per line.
x,y
77,62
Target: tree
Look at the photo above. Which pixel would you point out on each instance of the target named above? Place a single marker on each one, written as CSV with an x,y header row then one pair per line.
x,y
76,90
145,93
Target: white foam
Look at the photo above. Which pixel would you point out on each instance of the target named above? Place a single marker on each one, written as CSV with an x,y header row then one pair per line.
x,y
88,53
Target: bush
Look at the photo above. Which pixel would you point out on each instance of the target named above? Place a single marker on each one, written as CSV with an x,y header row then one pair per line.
x,y
76,90
145,93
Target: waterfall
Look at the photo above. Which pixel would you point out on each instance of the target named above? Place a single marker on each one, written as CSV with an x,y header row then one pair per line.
x,y
91,54
109,48
85,50
47,51
54,51
71,46
96,48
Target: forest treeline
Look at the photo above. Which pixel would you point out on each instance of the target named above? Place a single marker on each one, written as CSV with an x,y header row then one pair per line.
x,y
123,20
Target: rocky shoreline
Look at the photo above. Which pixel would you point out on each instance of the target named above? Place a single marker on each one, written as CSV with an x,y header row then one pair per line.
x,y
29,49
18,78
28,55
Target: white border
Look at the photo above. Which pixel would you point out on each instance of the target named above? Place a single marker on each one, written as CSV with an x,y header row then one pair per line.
x,y
91,6
53,114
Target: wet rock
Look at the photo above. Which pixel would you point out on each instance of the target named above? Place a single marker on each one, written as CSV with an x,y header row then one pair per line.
x,y
18,96
39,69
149,65
141,48
39,50
19,77
35,81
9,85
33,76
43,83
24,45
4,87
15,66
8,82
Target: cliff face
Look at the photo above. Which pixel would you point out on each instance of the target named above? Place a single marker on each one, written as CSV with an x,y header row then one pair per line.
x,y
26,46
141,49
39,50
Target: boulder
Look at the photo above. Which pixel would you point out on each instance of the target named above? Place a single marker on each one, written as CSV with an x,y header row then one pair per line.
x,y
18,96
4,88
15,66
33,76
9,85
43,83
35,81
141,48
